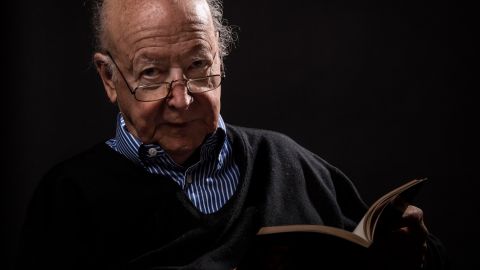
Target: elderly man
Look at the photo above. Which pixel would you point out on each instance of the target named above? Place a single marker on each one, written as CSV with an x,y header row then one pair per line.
x,y
177,187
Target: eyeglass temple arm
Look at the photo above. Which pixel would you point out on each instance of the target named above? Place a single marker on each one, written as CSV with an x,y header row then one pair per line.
x,y
121,73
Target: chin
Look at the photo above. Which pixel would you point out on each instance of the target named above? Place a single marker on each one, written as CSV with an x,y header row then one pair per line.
x,y
179,145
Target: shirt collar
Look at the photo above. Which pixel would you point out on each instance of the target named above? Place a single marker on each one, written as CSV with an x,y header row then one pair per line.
x,y
141,153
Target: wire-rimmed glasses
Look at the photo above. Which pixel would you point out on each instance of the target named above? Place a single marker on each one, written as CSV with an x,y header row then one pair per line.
x,y
161,90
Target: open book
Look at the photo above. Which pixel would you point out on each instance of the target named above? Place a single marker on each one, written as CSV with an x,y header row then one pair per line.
x,y
364,232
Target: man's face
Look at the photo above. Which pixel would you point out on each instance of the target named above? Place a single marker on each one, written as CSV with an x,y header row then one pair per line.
x,y
164,40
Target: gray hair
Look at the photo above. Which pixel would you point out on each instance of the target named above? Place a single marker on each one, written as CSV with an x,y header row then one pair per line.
x,y
227,36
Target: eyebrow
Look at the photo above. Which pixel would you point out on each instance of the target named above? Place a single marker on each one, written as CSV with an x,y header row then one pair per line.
x,y
150,60
201,49
198,49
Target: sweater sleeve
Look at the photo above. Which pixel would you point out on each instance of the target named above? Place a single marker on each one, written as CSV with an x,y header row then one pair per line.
x,y
349,199
344,194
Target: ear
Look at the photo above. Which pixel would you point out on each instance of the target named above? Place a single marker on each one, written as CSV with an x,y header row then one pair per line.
x,y
103,68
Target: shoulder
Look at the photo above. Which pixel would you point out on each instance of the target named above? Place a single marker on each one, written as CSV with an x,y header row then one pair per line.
x,y
261,137
275,146
280,163
97,156
280,148
85,169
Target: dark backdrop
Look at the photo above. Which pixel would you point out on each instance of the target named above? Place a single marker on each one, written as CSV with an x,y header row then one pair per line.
x,y
381,89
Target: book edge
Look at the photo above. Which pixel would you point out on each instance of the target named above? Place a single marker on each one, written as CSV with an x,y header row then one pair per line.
x,y
341,233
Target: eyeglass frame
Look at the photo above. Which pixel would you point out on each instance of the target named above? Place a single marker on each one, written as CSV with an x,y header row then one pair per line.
x,y
170,84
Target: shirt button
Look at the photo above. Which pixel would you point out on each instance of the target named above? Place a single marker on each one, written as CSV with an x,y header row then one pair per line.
x,y
189,179
152,152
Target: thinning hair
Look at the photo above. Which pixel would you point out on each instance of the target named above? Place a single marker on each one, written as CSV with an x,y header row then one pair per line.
x,y
226,40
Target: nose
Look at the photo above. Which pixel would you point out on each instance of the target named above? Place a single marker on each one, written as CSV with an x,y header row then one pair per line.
x,y
179,97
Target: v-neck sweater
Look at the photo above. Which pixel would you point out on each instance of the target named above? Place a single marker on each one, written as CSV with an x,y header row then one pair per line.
x,y
99,210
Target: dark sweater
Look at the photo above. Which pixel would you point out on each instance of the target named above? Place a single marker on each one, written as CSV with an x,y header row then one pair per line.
x,y
98,210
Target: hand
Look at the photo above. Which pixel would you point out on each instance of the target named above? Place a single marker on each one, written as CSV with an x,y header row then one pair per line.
x,y
401,242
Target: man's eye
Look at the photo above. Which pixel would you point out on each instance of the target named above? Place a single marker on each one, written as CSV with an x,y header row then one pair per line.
x,y
151,72
199,64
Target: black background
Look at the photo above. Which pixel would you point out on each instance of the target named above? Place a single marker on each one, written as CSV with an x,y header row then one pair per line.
x,y
382,89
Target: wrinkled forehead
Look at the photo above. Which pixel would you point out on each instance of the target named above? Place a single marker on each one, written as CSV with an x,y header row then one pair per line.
x,y
153,9
124,19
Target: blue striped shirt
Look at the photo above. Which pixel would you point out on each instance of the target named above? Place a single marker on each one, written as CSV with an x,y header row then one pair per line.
x,y
208,184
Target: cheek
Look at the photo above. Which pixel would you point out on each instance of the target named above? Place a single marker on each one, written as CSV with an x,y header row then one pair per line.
x,y
145,114
212,101
140,115
210,108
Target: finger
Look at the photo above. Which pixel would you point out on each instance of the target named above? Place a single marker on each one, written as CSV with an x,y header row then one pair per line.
x,y
412,221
